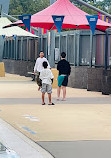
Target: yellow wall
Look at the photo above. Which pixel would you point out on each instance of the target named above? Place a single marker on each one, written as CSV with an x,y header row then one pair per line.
x,y
55,73
2,69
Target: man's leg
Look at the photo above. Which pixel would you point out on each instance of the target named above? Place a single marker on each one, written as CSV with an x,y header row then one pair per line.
x,y
49,91
49,95
64,93
43,90
43,96
58,93
33,78
39,82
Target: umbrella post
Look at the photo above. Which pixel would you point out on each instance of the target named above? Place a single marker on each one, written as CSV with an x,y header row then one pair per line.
x,y
52,27
41,41
52,47
94,8
52,44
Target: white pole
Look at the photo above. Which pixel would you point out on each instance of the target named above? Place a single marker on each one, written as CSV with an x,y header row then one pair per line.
x,y
52,44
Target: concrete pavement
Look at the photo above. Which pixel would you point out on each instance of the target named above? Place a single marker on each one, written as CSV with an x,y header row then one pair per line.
x,y
79,149
24,147
60,129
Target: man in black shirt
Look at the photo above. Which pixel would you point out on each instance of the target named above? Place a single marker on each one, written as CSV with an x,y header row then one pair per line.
x,y
64,71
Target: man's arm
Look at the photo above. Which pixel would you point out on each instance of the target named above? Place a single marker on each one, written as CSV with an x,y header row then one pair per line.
x,y
69,69
35,67
52,76
52,80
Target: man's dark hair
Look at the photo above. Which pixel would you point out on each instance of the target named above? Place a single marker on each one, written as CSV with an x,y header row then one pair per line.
x,y
63,54
41,52
45,64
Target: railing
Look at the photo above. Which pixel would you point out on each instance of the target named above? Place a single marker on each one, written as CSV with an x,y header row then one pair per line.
x,y
75,43
21,48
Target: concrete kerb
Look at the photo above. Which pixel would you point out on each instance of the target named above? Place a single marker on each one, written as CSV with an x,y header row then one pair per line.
x,y
34,145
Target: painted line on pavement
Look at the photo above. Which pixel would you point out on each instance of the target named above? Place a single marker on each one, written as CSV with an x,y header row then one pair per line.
x,y
29,130
31,118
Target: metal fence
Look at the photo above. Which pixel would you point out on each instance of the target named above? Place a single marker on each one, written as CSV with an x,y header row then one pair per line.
x,y
76,44
20,48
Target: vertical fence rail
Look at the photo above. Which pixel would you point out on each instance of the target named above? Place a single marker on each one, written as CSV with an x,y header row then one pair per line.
x,y
74,49
78,49
91,48
16,52
27,48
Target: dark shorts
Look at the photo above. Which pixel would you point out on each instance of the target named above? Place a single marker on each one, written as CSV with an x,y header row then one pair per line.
x,y
65,81
62,81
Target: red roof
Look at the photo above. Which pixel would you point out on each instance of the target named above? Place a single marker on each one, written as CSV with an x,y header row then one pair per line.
x,y
74,17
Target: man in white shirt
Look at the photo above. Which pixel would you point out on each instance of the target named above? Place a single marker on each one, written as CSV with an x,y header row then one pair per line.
x,y
39,67
46,76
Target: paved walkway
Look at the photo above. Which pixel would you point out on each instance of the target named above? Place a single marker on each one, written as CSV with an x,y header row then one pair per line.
x,y
79,149
84,116
24,147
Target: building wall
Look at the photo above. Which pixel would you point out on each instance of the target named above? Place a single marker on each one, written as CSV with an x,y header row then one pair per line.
x,y
78,77
94,82
83,77
106,82
18,67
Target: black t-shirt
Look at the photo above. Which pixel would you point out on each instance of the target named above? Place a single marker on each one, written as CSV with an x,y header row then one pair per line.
x,y
64,67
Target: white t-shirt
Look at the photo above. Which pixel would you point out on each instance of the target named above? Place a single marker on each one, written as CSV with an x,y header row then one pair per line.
x,y
38,65
46,76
